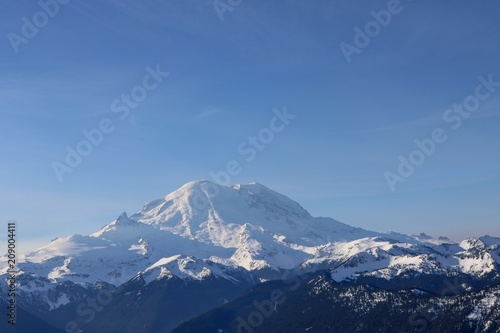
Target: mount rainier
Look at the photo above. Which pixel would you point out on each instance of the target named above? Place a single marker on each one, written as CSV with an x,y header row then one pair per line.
x,y
230,238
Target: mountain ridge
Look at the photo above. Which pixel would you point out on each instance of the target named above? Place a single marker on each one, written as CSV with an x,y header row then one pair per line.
x,y
241,233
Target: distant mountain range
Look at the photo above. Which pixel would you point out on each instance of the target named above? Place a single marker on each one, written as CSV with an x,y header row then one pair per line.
x,y
206,248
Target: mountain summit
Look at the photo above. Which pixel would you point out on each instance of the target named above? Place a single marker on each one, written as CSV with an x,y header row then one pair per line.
x,y
205,230
222,216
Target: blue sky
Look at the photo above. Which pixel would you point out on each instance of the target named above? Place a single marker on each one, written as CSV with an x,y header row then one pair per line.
x,y
353,119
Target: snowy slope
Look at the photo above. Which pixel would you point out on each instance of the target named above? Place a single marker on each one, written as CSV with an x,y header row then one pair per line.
x,y
202,227
387,259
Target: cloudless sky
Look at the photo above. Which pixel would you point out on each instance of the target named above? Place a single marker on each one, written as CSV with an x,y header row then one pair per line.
x,y
226,76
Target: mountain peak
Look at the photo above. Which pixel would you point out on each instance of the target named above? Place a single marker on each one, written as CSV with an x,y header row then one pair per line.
x,y
122,221
123,218
205,230
196,184
206,205
256,186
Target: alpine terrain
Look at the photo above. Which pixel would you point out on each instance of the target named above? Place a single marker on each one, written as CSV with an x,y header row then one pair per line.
x,y
243,258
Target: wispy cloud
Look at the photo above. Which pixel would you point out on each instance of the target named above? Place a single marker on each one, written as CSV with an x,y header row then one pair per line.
x,y
206,114
428,121
490,109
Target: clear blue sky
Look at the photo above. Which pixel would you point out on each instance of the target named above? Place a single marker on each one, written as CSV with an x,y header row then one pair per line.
x,y
353,119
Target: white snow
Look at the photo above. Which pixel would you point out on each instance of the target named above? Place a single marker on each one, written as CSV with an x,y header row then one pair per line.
x,y
419,292
486,305
197,230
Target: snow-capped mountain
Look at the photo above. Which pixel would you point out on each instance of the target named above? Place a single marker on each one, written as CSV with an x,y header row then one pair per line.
x,y
237,232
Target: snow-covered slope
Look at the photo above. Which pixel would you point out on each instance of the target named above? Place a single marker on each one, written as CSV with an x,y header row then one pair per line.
x,y
202,227
387,259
